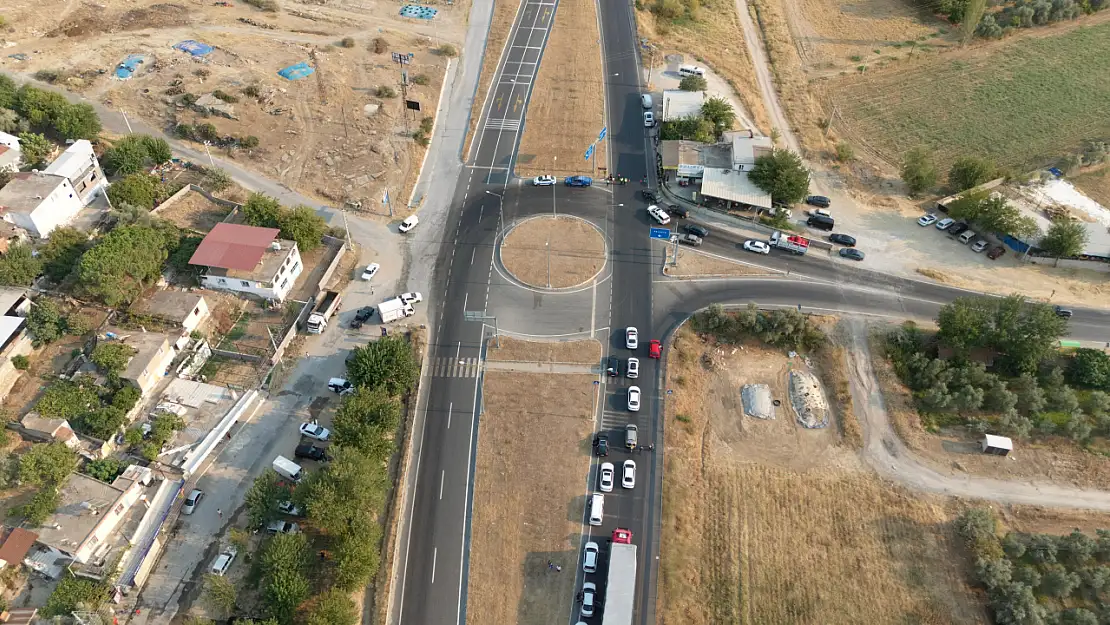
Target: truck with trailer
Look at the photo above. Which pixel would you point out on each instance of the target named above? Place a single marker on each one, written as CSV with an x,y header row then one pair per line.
x,y
394,309
789,242
620,589
322,311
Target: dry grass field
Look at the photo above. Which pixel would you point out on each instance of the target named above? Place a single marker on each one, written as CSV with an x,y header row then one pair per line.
x,y
765,522
583,352
1096,184
693,263
528,496
556,252
567,107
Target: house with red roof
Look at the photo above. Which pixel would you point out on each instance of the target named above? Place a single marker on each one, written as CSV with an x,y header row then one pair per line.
x,y
248,259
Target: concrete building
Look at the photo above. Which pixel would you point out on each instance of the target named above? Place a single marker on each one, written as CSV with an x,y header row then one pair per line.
x,y
88,514
248,259
37,427
153,356
14,339
78,164
681,104
15,546
10,152
39,202
721,169
183,309
746,148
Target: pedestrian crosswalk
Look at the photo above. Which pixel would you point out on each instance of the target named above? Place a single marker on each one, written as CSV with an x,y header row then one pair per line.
x,y
510,125
612,420
447,367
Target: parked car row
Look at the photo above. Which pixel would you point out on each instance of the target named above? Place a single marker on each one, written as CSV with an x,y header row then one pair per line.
x,y
963,233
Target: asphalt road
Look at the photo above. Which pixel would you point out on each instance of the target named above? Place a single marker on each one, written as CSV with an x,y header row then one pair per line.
x,y
435,543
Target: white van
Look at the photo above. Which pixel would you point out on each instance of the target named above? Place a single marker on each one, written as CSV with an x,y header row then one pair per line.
x,y
967,236
645,101
690,70
409,223
287,468
597,509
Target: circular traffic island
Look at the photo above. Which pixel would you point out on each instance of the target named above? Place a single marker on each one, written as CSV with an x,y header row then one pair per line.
x,y
549,252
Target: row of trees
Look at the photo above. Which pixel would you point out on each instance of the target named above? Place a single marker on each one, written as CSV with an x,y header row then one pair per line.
x,y
300,224
989,212
49,111
343,502
1071,573
1030,13
783,328
135,153
44,467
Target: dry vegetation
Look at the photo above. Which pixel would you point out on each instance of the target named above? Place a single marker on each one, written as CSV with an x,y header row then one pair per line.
x,y
568,95
1095,184
764,522
517,350
693,263
558,253
528,498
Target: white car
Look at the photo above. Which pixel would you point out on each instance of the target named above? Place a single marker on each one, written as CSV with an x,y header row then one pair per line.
x,y
409,223
628,475
192,501
589,595
589,559
634,398
543,181
659,215
288,507
371,271
759,247
315,430
943,224
927,219
631,338
649,119
411,298
633,368
223,561
283,527
606,477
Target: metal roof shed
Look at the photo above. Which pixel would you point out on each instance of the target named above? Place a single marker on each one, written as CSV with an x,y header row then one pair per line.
x,y
996,445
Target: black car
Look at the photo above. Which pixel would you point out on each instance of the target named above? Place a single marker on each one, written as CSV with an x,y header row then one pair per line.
x,y
843,239
362,316
957,229
1063,312
310,452
613,367
852,253
601,445
696,230
678,211
648,195
819,201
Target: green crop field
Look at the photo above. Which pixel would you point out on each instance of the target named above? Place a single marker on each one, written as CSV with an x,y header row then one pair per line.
x,y
1024,102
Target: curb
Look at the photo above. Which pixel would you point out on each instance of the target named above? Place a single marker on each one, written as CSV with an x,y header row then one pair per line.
x,y
548,289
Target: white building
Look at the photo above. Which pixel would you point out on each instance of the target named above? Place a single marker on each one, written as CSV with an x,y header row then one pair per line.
x,y
746,147
39,202
78,164
681,104
10,153
248,259
183,309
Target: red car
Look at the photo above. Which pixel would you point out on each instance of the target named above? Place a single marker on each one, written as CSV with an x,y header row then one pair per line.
x,y
655,349
622,536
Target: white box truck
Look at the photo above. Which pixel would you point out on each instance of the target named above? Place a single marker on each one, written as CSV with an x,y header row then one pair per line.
x,y
288,469
324,309
620,589
393,309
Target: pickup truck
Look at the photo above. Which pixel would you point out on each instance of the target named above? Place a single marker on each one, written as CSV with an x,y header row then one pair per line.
x,y
393,309
324,309
689,239
790,243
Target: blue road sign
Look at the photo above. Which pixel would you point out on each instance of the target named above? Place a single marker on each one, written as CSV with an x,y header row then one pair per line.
x,y
589,152
661,233
601,135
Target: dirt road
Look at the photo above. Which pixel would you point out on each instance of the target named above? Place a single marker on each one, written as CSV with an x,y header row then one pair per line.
x,y
763,76
888,455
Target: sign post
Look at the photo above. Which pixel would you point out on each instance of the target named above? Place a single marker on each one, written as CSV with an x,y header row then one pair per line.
x,y
660,233
480,315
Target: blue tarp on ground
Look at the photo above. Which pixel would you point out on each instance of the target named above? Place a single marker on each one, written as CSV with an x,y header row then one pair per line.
x,y
125,69
418,11
296,72
194,48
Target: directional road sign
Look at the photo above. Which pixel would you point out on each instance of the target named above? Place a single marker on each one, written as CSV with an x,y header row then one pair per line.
x,y
661,233
601,135
589,152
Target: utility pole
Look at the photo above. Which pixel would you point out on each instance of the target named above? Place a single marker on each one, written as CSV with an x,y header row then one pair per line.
x,y
210,161
651,64
129,131
547,245
402,59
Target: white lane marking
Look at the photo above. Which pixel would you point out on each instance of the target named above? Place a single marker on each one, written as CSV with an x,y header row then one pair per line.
x,y
466,296
458,350
449,407
472,251
442,475
435,554
528,48
466,483
412,503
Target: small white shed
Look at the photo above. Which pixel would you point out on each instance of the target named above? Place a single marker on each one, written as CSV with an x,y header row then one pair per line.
x,y
996,445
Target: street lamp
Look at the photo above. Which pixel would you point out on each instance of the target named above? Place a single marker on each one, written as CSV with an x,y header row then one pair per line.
x,y
500,210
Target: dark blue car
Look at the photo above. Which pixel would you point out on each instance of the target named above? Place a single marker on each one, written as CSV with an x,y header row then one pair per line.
x,y
579,181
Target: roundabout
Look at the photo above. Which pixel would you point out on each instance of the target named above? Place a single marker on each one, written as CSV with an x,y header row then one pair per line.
x,y
553,252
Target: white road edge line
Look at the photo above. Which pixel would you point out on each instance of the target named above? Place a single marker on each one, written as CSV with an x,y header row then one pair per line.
x,y
449,407
435,554
412,506
466,482
442,476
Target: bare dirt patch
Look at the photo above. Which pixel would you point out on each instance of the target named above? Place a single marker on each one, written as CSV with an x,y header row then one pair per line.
x,y
582,352
765,522
528,499
1095,184
554,253
1060,285
195,212
693,263
569,95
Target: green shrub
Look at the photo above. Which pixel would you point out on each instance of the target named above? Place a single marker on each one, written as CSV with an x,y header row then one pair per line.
x,y
447,50
21,362
347,42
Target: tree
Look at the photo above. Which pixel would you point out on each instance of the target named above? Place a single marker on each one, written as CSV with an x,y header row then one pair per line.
x,y
1065,238
126,259
1078,548
8,91
216,179
46,464
104,469
1078,616
219,594
844,152
102,423
41,505
783,175
138,189
1023,333
333,607
1016,604
977,526
12,123
262,211
134,153
77,121
719,112
693,128
1089,368
693,83
284,585
112,357
304,226
74,593
367,420
344,494
19,267
357,557
263,498
970,171
157,149
35,149
44,322
918,171
62,252
1058,582
66,399
387,363
993,573
21,362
